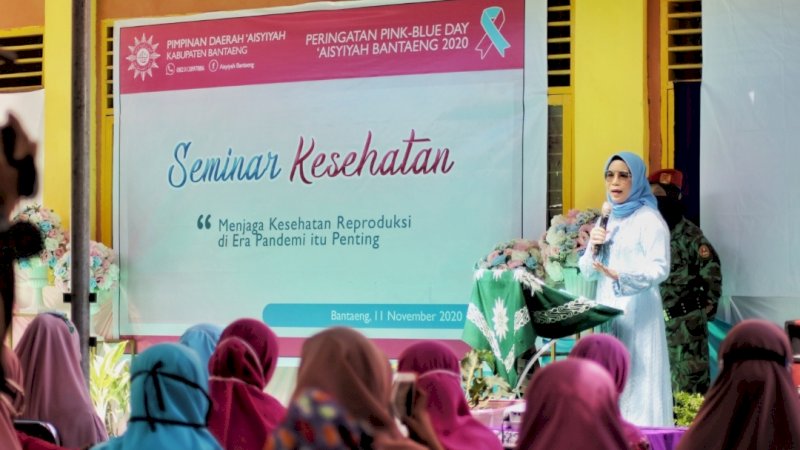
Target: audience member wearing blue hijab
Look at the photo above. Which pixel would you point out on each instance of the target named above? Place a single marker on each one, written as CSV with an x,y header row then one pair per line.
x,y
203,339
169,403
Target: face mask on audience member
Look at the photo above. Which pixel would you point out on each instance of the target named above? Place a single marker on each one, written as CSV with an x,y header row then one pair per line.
x,y
169,404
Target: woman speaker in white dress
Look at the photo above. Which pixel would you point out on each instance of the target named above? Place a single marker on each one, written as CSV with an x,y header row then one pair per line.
x,y
631,260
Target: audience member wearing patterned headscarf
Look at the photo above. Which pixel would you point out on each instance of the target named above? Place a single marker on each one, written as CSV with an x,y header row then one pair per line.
x,y
611,353
54,386
439,376
243,414
753,403
347,366
315,420
169,404
571,404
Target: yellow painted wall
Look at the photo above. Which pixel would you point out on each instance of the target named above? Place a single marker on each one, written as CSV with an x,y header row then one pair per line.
x,y
57,103
610,87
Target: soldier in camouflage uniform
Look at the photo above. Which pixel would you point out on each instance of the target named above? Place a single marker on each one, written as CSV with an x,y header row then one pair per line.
x,y
691,292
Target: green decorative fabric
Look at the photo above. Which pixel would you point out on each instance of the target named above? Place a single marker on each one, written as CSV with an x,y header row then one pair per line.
x,y
509,308
555,313
717,330
498,320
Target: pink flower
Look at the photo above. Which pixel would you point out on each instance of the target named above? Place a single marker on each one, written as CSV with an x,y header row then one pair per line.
x,y
572,214
522,245
514,264
583,236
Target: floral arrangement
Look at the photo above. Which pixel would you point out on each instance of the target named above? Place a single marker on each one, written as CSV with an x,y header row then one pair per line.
x,y
687,405
479,380
103,270
565,241
518,253
54,238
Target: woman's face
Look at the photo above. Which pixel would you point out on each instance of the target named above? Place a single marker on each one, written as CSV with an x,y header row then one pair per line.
x,y
618,181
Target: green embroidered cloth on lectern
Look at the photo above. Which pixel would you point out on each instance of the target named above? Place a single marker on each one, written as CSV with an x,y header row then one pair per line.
x,y
509,308
556,313
497,319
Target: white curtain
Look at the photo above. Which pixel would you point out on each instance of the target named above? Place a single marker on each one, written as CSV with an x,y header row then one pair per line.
x,y
749,158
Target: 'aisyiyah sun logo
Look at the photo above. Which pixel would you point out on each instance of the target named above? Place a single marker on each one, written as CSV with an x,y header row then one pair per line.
x,y
143,56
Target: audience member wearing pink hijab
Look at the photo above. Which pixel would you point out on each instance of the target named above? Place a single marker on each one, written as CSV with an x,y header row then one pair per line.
x,y
439,376
11,399
55,389
753,403
611,353
571,404
344,364
243,415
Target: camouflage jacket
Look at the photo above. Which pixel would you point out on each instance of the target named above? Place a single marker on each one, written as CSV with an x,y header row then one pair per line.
x,y
695,270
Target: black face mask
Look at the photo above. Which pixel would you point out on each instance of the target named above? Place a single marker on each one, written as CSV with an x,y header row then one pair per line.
x,y
158,377
671,210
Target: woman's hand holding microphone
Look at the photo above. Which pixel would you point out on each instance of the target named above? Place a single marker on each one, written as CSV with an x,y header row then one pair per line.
x,y
597,238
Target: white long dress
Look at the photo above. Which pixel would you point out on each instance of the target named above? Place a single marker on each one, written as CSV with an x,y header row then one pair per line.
x,y
637,247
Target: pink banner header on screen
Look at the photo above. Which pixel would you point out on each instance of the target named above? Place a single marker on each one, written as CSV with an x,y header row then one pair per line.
x,y
399,39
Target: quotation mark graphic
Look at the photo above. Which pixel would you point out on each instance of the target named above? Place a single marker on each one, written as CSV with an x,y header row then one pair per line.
x,y
204,223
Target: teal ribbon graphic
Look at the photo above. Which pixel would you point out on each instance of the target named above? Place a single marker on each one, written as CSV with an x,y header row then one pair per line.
x,y
492,21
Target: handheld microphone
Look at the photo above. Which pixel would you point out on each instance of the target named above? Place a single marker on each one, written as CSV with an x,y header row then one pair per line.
x,y
604,213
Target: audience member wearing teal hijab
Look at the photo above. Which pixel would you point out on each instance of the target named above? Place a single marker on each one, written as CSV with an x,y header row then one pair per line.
x,y
203,339
169,403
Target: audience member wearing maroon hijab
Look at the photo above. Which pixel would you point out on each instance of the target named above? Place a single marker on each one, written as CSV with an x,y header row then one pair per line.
x,y
55,389
753,403
571,404
439,376
611,353
243,415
